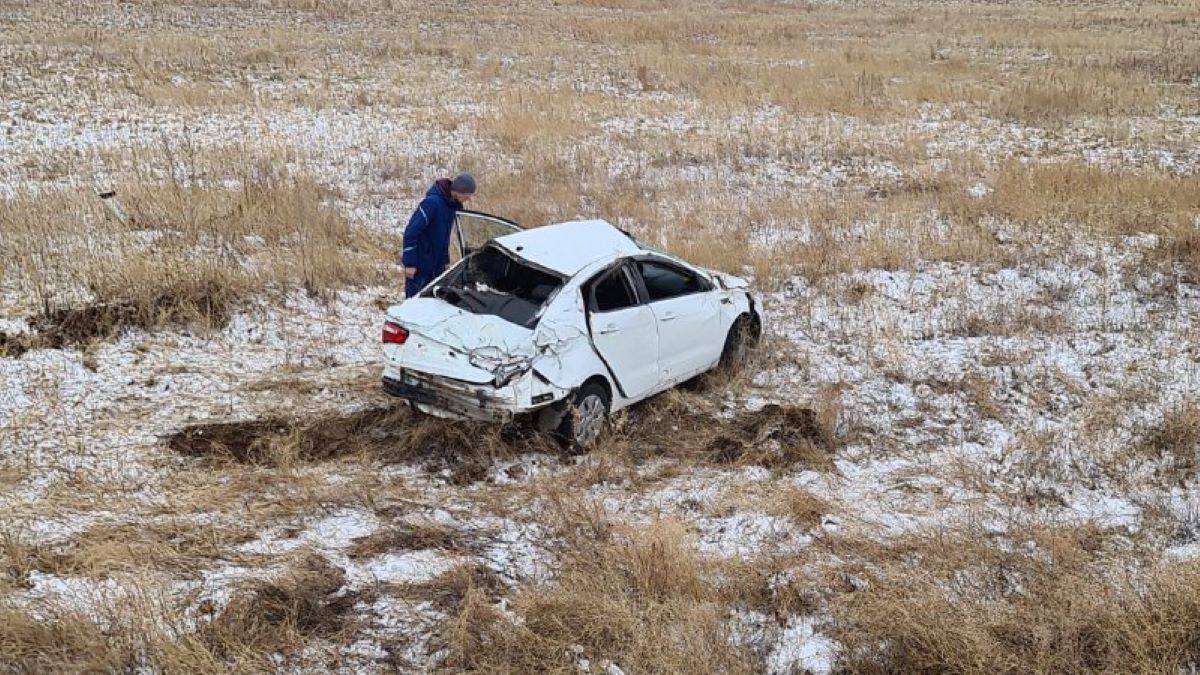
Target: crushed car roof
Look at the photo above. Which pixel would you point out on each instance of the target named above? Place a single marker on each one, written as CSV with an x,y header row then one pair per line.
x,y
568,247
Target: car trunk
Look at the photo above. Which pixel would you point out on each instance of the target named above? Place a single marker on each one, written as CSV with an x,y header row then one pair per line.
x,y
452,342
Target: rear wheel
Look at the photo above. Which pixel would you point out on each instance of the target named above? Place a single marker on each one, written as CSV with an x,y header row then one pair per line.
x,y
586,417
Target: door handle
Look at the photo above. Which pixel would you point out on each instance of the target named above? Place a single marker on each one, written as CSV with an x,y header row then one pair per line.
x,y
669,316
610,328
727,300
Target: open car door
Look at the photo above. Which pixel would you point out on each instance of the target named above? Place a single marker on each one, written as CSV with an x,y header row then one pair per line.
x,y
473,229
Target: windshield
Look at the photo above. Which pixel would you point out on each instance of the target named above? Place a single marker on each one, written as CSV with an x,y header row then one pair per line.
x,y
492,282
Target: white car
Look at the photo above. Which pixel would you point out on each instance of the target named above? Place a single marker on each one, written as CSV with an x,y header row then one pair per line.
x,y
562,324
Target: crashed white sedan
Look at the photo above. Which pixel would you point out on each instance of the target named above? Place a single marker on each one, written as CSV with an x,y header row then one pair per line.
x,y
561,324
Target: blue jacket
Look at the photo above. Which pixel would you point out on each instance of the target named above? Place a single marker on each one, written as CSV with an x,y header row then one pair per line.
x,y
427,236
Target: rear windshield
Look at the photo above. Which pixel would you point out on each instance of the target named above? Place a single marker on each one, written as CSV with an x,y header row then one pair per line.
x,y
492,282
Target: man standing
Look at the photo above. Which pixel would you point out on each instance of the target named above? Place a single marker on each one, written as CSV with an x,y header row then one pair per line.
x,y
427,236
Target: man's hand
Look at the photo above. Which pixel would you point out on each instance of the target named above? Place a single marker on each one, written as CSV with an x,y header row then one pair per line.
x,y
410,272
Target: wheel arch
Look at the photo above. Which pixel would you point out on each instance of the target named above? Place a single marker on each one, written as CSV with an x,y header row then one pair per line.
x,y
603,382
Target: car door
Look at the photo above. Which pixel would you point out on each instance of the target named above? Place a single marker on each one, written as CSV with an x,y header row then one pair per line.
x,y
687,314
473,229
624,331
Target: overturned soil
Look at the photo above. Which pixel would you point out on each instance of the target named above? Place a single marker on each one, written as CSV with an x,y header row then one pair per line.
x,y
462,450
12,346
267,441
78,326
775,436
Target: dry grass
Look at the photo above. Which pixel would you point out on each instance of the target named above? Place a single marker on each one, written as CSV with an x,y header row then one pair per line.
x,y
1044,601
449,590
802,506
751,137
281,615
111,551
545,157
408,536
1108,201
683,425
1174,443
60,640
190,252
133,628
640,599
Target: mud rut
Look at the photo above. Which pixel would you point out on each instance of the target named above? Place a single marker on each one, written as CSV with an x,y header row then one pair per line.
x,y
776,436
79,326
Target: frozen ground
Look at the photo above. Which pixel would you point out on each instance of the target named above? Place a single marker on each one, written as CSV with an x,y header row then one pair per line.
x,y
934,410
981,397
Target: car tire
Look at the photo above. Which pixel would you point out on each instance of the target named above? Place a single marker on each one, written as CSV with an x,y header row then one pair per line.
x,y
586,417
738,343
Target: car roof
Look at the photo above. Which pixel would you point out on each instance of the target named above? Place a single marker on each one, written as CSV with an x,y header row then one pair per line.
x,y
569,247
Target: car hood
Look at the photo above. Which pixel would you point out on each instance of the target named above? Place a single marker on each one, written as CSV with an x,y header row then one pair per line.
x,y
729,281
452,342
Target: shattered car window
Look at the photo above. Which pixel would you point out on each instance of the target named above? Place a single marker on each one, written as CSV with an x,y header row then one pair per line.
x,y
492,282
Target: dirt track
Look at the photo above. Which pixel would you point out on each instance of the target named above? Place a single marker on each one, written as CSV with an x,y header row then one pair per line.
x,y
775,436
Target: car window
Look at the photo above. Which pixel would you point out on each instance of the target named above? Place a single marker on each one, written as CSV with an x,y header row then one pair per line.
x,y
665,281
613,292
477,229
492,282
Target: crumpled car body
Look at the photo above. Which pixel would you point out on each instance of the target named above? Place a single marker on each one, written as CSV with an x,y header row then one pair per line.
x,y
527,318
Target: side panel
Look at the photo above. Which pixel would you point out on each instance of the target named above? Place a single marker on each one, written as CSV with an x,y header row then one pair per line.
x,y
690,336
565,356
628,341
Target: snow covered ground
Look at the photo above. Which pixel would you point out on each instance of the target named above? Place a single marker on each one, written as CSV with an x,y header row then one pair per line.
x,y
934,417
980,396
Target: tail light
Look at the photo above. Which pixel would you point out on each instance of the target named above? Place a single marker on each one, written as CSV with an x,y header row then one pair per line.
x,y
394,334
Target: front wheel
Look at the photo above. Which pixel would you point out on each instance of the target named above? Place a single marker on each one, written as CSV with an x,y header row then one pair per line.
x,y
586,417
740,341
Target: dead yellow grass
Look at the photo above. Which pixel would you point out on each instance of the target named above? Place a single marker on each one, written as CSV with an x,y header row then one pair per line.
x,y
548,161
641,600
1175,443
131,627
407,536
107,551
542,96
1057,602
281,615
59,640
448,590
1103,200
190,252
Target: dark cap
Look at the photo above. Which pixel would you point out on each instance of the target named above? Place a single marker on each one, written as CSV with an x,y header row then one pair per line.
x,y
463,183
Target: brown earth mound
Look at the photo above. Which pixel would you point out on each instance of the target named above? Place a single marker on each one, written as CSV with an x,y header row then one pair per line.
x,y
775,437
75,327
264,441
391,434
12,346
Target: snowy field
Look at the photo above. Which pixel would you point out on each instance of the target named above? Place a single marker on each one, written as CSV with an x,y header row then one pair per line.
x,y
969,443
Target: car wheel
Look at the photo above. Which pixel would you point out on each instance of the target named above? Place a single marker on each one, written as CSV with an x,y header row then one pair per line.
x,y
738,344
586,418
